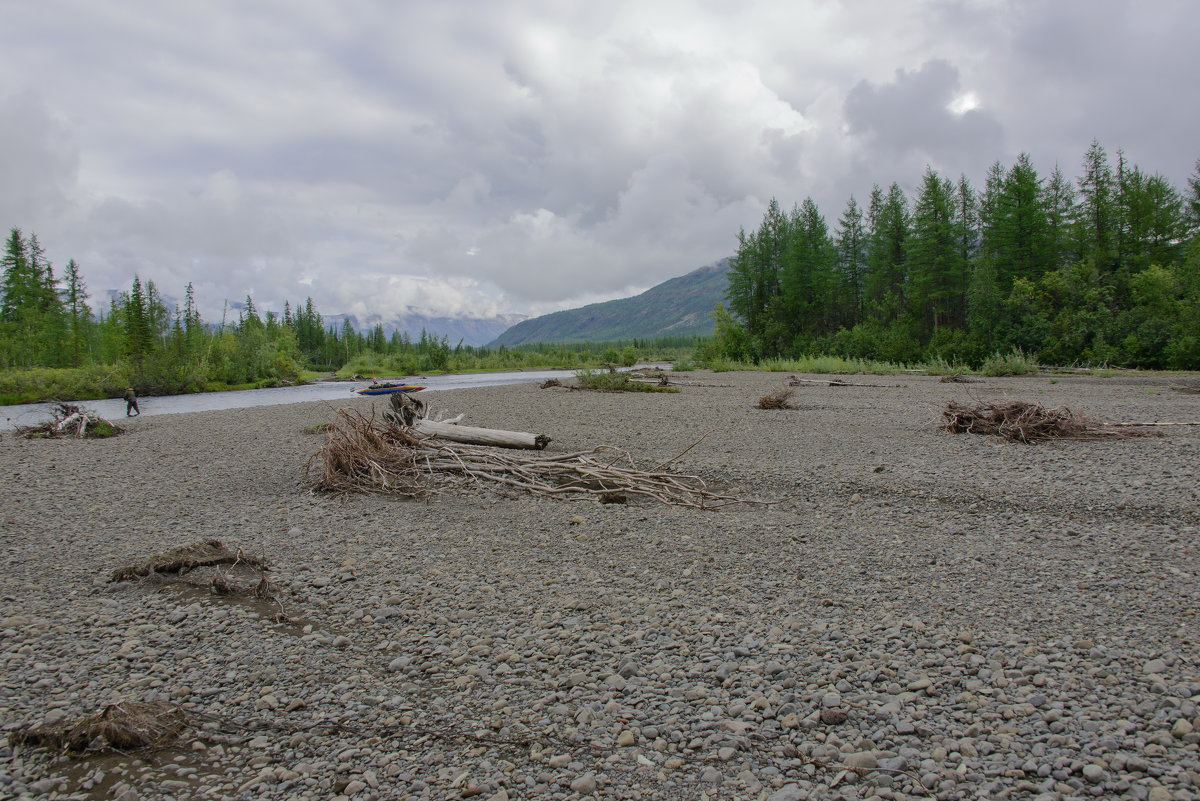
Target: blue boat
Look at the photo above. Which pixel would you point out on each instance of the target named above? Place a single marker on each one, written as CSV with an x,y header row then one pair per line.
x,y
387,388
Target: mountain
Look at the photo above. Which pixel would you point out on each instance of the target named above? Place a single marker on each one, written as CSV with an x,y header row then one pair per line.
x,y
679,307
468,330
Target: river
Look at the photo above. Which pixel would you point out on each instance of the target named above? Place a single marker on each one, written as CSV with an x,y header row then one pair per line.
x,y
27,414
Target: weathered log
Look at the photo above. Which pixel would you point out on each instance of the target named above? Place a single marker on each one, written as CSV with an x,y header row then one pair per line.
x,y
481,436
409,411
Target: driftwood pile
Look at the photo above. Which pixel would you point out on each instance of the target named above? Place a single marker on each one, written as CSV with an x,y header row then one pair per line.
x,y
69,420
364,453
1019,421
124,727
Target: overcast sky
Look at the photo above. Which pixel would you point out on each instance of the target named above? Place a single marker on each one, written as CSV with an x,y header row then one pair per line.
x,y
478,157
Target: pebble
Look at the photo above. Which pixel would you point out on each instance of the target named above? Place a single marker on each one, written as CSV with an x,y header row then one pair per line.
x,y
584,785
945,624
863,760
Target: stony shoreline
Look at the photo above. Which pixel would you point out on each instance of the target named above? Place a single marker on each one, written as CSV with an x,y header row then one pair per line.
x,y
922,616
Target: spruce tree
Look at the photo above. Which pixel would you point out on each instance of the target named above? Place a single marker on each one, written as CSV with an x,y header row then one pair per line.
x,y
1096,214
887,239
79,315
16,283
1058,201
139,339
1193,200
807,280
851,263
934,271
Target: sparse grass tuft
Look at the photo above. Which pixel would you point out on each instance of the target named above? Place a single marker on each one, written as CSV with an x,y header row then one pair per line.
x,y
604,381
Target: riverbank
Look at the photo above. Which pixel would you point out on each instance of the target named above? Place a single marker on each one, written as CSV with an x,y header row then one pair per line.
x,y
978,617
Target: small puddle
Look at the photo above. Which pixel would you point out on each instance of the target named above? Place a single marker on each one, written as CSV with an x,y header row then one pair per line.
x,y
96,776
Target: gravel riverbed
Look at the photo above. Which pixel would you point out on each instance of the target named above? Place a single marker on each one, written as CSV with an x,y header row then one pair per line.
x,y
923,615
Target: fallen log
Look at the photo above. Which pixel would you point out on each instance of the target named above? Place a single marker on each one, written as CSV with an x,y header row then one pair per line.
x,y
836,382
1141,425
481,436
414,413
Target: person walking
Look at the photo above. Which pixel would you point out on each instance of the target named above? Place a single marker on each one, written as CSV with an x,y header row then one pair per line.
x,y
131,403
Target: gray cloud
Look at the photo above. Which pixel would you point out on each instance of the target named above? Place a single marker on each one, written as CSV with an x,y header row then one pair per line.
x,y
910,121
522,155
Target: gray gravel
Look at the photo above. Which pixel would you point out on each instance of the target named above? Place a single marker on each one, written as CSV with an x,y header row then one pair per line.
x,y
924,616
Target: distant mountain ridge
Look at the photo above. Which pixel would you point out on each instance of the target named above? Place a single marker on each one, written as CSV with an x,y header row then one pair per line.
x,y
677,307
474,331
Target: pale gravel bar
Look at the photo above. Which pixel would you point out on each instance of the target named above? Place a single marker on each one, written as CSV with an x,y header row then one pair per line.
x,y
979,619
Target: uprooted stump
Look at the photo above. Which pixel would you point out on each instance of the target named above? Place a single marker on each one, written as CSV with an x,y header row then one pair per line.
x,y
124,727
369,455
185,558
1020,421
69,420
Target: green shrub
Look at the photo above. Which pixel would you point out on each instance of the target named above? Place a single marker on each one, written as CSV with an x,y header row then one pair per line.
x,y
54,383
1014,363
683,366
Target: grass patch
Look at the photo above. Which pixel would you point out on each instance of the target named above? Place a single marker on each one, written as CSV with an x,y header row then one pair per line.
x,y
940,366
604,381
319,428
828,365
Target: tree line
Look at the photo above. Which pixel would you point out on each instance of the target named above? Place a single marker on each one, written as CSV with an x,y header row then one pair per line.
x,y
46,321
1102,270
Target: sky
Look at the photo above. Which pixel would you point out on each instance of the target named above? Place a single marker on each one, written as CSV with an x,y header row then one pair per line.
x,y
469,158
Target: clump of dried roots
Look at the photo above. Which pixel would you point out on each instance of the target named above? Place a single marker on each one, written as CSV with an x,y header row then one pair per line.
x,y
128,726
365,454
781,398
185,558
1020,421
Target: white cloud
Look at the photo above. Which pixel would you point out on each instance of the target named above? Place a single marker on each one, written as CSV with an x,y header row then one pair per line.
x,y
519,155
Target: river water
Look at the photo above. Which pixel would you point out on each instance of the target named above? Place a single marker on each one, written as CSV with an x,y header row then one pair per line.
x,y
112,408
30,414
